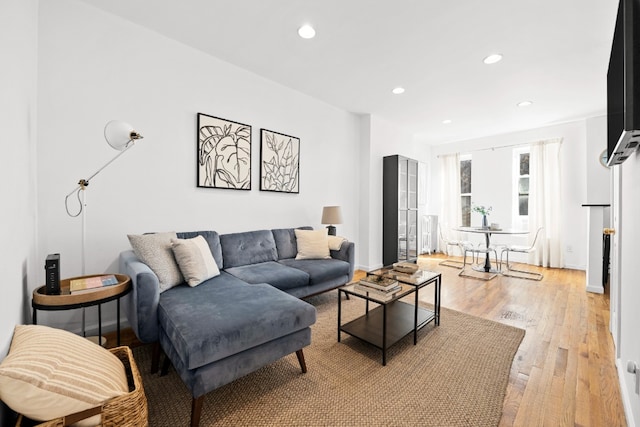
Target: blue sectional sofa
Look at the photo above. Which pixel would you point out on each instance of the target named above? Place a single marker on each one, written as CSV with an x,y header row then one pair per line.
x,y
245,318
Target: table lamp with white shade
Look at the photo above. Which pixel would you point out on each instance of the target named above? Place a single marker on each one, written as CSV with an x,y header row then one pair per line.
x,y
331,215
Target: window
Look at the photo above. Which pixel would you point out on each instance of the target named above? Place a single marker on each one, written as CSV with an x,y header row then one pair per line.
x,y
523,183
465,189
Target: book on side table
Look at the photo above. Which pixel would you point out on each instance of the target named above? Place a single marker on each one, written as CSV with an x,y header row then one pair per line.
x,y
88,283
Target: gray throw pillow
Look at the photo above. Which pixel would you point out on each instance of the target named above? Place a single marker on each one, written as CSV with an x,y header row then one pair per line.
x,y
155,251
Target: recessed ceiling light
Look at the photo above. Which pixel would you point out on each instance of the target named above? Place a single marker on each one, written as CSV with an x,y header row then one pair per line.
x,y
398,90
446,122
306,32
524,103
492,59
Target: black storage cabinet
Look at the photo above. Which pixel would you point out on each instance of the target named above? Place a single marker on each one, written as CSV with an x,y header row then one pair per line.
x,y
399,209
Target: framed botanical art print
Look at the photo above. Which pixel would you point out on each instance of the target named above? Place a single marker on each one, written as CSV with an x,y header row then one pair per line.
x,y
279,162
224,153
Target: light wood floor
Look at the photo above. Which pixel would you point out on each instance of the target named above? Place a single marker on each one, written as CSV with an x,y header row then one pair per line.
x,y
564,372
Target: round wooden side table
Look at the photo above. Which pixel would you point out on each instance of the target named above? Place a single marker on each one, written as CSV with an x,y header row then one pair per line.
x,y
67,301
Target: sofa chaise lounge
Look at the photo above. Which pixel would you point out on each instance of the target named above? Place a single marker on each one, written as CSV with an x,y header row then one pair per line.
x,y
248,316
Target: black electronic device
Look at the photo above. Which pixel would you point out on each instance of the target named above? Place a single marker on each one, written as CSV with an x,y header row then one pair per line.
x,y
623,85
52,274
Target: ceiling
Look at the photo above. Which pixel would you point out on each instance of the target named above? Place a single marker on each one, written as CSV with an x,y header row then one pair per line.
x,y
555,54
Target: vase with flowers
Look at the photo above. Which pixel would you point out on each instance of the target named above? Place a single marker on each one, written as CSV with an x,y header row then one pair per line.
x,y
484,211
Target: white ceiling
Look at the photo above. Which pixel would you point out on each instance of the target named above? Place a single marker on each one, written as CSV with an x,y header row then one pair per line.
x,y
556,54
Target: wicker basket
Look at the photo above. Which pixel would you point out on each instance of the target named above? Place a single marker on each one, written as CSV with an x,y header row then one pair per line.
x,y
128,410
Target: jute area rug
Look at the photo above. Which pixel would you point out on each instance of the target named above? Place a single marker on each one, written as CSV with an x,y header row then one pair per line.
x,y
455,376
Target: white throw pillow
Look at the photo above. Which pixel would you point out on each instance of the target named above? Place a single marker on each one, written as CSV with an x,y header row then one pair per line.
x,y
51,373
194,259
155,251
312,244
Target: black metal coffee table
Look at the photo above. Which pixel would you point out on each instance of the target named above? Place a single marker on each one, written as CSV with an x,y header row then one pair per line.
x,y
392,319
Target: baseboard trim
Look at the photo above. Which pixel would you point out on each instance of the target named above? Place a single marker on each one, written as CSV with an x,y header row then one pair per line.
x,y
624,392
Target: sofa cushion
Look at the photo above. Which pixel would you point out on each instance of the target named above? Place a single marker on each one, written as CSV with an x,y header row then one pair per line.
x,y
250,247
224,316
51,373
319,270
194,259
155,250
285,239
274,273
213,240
312,244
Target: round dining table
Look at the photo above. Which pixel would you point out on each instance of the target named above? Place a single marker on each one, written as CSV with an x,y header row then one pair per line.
x,y
488,231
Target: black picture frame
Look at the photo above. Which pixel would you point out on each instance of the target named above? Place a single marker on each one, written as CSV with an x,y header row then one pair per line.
x,y
224,153
279,162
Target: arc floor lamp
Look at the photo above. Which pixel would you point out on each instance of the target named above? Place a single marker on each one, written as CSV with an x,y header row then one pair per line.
x,y
121,136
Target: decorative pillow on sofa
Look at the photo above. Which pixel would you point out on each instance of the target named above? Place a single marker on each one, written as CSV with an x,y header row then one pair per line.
x,y
155,251
51,373
335,242
312,244
194,259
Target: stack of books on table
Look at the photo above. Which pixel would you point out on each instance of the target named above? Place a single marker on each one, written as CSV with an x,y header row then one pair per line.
x,y
89,283
379,286
406,267
406,272
404,277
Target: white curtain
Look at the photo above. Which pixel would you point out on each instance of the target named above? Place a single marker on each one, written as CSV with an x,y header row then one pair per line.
x,y
545,203
450,204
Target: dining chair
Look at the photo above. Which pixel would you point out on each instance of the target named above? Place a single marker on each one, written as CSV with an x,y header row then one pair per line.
x,y
522,274
456,243
475,255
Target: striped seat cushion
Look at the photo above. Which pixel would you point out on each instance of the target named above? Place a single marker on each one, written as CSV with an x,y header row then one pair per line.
x,y
50,373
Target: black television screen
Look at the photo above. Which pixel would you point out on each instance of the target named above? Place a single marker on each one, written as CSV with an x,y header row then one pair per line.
x,y
615,87
623,92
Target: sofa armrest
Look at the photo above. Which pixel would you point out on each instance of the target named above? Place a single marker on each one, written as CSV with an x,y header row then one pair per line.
x,y
347,252
141,304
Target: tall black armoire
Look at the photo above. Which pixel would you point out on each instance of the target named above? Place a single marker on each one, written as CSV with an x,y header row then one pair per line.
x,y
399,209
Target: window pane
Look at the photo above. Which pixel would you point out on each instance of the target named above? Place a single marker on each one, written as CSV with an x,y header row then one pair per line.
x,y
466,211
413,185
524,164
402,235
402,184
412,240
523,185
523,208
465,176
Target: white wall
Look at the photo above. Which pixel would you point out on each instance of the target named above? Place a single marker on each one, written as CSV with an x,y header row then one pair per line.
x,y
598,177
492,186
384,139
492,183
95,67
18,44
367,196
629,236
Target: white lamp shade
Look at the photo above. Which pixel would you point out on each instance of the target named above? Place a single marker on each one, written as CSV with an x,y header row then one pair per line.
x,y
331,215
118,134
